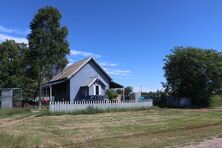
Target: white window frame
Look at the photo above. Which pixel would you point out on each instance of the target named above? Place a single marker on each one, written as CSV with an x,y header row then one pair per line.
x,y
94,89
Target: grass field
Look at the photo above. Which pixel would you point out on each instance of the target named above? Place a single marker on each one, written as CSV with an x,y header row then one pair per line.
x,y
143,128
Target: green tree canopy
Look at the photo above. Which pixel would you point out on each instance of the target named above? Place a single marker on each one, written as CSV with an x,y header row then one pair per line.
x,y
47,43
128,90
193,72
119,91
14,67
10,64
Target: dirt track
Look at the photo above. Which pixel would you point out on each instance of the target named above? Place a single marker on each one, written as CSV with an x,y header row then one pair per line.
x,y
213,143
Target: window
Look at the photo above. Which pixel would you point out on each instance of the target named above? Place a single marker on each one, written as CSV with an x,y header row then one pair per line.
x,y
97,90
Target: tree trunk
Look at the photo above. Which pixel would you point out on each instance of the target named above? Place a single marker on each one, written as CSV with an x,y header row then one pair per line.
x,y
40,86
40,104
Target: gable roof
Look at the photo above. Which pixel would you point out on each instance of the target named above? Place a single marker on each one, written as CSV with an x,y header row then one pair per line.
x,y
90,81
71,70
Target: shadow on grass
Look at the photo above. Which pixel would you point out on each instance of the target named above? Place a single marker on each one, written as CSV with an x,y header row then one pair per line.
x,y
15,111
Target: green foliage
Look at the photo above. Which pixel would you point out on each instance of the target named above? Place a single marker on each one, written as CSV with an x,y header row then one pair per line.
x,y
128,90
159,97
119,91
14,67
216,101
111,94
11,56
48,44
193,72
29,68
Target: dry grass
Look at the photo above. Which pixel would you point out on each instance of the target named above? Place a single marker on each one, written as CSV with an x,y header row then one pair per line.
x,y
149,128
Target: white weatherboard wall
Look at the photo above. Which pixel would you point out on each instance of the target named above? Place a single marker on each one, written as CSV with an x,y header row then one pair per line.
x,y
81,105
89,70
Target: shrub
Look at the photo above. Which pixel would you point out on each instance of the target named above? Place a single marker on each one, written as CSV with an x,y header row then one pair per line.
x,y
159,98
119,91
111,94
216,101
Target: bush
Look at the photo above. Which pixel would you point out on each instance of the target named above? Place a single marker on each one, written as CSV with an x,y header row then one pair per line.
x,y
119,91
216,101
159,98
111,94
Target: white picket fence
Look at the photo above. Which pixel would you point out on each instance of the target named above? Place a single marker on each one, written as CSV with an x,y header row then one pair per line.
x,y
82,105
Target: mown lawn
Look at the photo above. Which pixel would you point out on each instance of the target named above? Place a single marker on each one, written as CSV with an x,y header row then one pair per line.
x,y
145,128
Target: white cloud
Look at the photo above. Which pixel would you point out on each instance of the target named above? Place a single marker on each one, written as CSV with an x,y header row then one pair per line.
x,y
107,64
4,37
13,31
117,72
71,60
109,67
83,53
113,69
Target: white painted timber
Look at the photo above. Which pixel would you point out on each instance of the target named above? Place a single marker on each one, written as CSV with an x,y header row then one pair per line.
x,y
83,105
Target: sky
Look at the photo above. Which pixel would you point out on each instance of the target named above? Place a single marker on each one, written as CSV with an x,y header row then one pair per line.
x,y
129,38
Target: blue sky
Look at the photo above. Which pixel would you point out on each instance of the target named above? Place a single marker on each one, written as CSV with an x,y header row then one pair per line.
x,y
130,38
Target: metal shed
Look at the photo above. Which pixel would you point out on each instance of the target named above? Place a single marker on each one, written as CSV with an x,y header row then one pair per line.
x,y
10,97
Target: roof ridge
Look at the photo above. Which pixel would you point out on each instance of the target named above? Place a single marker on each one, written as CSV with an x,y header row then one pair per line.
x,y
82,60
72,69
76,63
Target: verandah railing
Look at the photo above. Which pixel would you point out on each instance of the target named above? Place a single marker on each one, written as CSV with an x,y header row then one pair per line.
x,y
82,105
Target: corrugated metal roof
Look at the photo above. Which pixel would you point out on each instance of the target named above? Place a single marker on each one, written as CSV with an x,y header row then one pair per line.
x,y
70,70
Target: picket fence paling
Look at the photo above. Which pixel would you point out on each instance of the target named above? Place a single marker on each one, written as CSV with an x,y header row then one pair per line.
x,y
81,105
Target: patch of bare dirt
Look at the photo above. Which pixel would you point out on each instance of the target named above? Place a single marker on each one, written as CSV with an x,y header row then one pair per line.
x,y
200,110
212,143
205,110
8,122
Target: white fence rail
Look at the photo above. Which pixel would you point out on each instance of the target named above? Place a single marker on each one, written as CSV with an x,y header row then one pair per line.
x,y
82,105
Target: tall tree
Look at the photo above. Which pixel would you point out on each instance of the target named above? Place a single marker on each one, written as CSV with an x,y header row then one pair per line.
x,y
10,60
48,44
193,72
14,66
